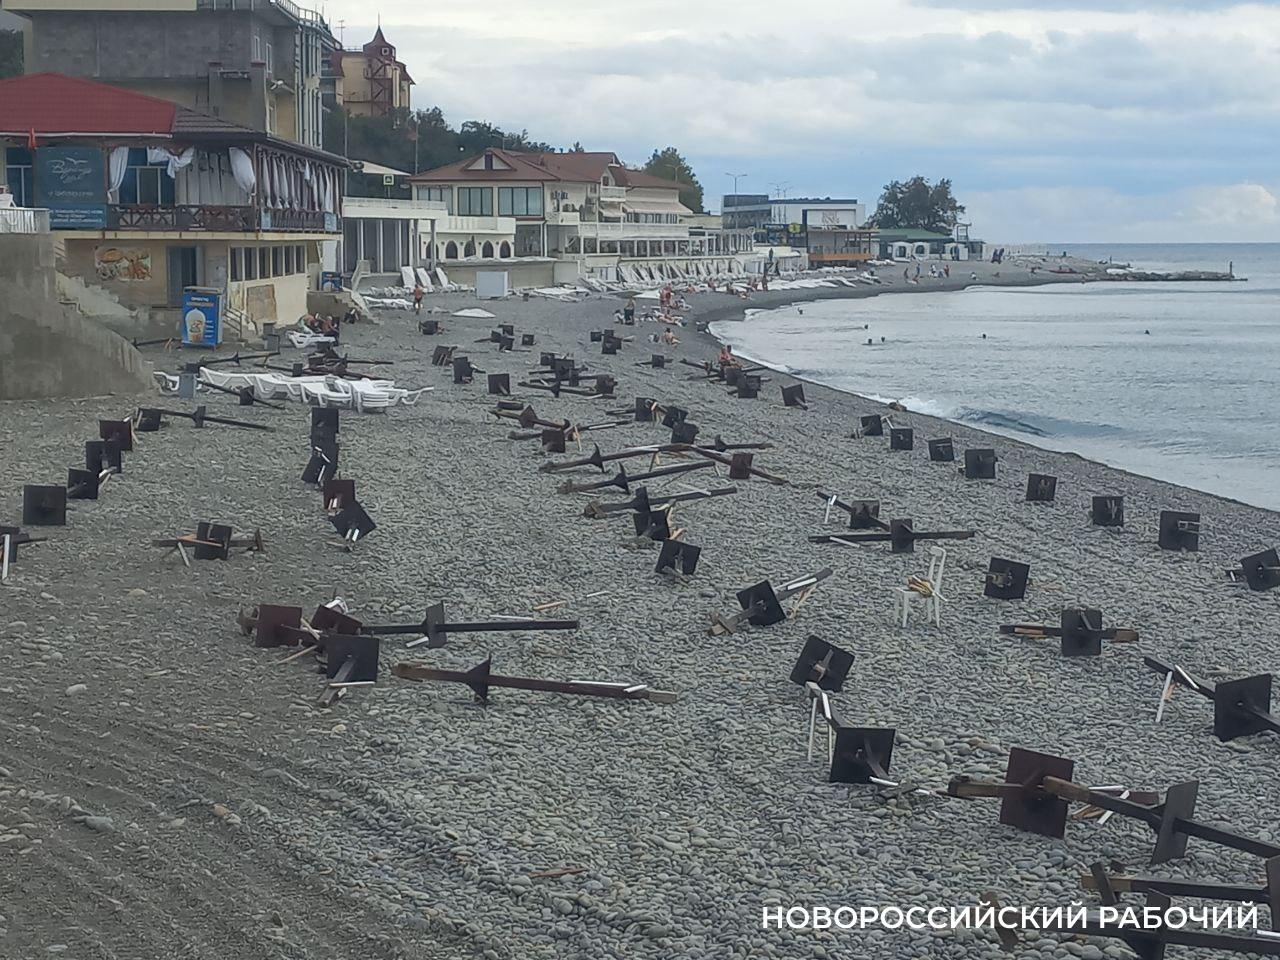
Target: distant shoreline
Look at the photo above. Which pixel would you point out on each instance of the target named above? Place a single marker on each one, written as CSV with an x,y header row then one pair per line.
x,y
734,310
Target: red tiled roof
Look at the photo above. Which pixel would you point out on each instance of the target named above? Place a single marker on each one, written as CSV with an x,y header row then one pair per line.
x,y
524,169
52,103
55,105
638,178
574,167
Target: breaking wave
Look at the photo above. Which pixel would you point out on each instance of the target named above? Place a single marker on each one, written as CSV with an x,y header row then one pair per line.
x,y
1034,425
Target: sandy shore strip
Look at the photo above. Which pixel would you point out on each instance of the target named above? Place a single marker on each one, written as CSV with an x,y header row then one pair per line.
x,y
166,783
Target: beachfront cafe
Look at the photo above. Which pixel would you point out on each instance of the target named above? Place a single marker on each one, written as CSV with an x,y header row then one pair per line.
x,y
148,197
921,245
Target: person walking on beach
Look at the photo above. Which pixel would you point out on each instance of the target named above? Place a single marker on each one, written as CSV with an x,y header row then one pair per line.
x,y
946,270
629,312
418,294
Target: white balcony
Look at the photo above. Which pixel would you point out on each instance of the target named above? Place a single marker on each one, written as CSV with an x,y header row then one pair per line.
x,y
24,220
562,218
635,231
500,226
381,208
613,193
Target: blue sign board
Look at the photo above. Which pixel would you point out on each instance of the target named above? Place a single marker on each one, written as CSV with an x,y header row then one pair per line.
x,y
71,182
201,317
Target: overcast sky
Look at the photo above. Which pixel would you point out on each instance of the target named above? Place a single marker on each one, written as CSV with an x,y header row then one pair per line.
x,y
1070,120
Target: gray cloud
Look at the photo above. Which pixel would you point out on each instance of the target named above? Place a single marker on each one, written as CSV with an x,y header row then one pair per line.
x,y
1106,115
1106,6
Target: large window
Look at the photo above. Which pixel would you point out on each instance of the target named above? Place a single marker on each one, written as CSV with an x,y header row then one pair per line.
x,y
475,201
439,195
263,263
146,183
519,201
17,170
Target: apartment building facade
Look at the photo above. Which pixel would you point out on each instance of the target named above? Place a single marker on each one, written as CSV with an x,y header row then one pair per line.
x,y
585,209
147,197
254,63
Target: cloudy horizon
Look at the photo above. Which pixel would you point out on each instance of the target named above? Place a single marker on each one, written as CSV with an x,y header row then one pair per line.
x,y
1056,120
1067,120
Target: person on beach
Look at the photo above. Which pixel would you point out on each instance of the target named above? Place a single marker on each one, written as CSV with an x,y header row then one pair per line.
x,y
726,356
418,294
330,327
946,270
629,311
669,338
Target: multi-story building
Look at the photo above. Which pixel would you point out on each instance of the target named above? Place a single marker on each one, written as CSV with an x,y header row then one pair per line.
x,y
585,211
745,211
254,63
369,81
148,197
829,230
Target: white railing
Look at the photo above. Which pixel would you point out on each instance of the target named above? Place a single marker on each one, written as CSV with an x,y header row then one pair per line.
x,y
502,225
24,220
562,218
613,193
393,209
636,231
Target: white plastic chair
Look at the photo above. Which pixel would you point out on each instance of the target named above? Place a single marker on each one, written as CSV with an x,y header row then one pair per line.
x,y
819,703
905,596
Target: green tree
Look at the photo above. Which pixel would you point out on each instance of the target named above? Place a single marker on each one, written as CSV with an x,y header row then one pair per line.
x,y
10,53
390,141
670,165
917,205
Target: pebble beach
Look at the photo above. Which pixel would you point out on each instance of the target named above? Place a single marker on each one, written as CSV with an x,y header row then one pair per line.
x,y
168,790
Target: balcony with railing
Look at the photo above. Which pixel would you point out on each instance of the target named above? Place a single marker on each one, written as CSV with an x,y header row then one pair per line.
x,y
24,220
613,193
184,217
209,218
625,230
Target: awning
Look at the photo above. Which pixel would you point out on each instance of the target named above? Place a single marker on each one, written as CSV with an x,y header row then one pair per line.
x,y
656,206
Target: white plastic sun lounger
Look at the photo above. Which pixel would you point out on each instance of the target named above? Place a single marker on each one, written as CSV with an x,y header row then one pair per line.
x,y
424,278
299,339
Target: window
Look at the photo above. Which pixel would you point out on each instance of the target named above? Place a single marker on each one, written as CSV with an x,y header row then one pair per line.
x,y
17,169
300,258
145,183
257,47
237,263
277,262
270,59
264,263
475,201
288,259
439,195
250,264
451,251
519,201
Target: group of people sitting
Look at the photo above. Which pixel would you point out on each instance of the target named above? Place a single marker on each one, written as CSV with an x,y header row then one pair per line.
x,y
327,326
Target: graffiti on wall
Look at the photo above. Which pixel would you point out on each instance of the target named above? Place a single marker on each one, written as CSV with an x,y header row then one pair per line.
x,y
123,263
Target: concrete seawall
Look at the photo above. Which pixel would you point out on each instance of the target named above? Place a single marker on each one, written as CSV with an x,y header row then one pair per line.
x,y
48,349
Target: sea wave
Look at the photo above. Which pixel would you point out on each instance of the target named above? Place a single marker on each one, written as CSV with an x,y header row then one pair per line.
x,y
1035,425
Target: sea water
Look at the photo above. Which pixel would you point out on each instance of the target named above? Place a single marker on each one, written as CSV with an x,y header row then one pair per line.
x,y
1177,381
